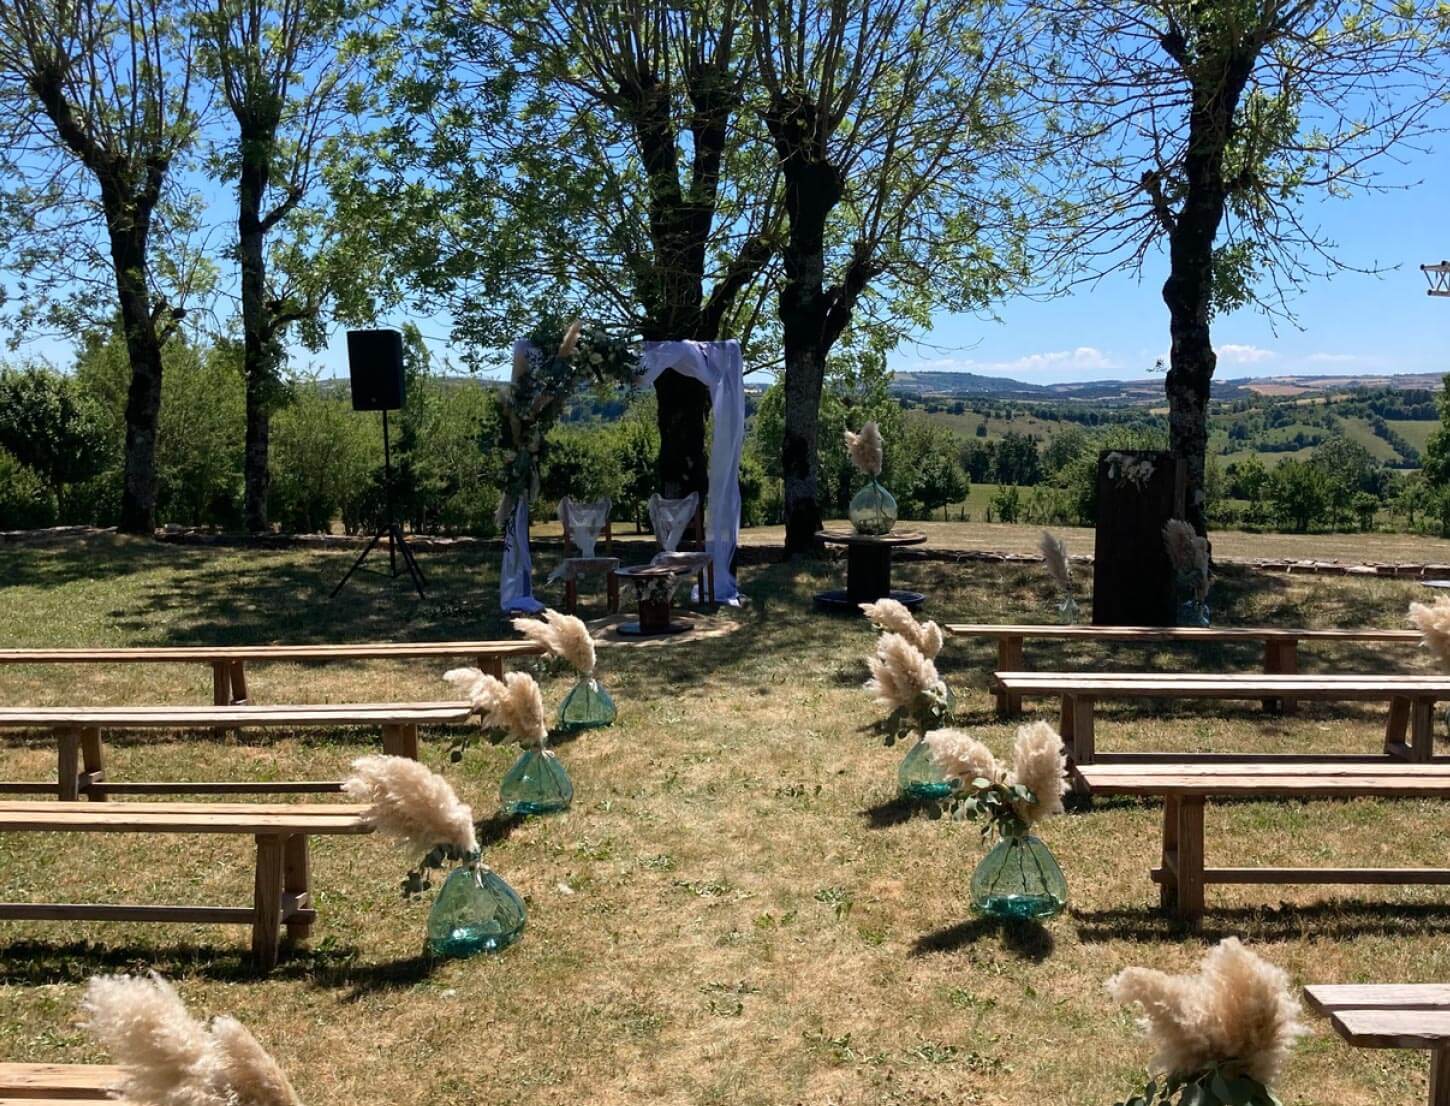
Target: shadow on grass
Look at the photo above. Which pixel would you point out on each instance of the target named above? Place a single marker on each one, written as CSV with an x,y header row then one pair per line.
x,y
496,828
898,810
1344,919
1026,939
39,963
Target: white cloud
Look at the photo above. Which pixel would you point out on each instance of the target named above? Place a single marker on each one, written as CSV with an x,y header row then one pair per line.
x,y
1243,355
1333,358
1081,359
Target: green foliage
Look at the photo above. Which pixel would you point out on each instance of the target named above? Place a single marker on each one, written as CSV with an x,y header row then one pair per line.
x,y
49,425
581,463
25,501
323,456
1299,493
1006,504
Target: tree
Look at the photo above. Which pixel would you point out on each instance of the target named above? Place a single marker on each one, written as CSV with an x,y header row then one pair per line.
x,y
1300,494
890,121
1220,118
96,109
939,478
285,70
633,196
49,426
1437,448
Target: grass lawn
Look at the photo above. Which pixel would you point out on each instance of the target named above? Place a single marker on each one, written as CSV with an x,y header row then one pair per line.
x,y
736,910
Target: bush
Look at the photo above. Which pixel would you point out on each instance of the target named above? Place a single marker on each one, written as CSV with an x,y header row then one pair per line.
x,y
323,458
1007,503
25,502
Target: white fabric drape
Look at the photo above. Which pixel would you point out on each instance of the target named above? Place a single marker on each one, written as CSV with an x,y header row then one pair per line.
x,y
721,368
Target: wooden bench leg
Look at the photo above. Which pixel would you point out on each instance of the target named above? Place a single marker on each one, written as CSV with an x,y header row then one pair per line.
x,y
1281,658
1422,730
221,683
1440,1077
1084,741
297,885
1190,857
491,666
1009,659
68,769
1397,729
237,672
267,901
571,596
400,740
93,763
1168,875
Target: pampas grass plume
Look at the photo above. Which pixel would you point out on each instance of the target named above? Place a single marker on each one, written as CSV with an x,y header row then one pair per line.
x,y
1054,553
892,617
1040,765
513,704
1433,622
899,673
1238,1008
571,339
169,1057
251,1075
561,635
411,803
958,755
865,449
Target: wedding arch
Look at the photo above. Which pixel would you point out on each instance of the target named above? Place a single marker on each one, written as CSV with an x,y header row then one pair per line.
x,y
542,381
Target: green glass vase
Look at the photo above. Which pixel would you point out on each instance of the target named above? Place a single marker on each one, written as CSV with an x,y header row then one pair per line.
x,y
918,777
536,784
476,911
1019,879
1067,610
587,706
873,510
1190,610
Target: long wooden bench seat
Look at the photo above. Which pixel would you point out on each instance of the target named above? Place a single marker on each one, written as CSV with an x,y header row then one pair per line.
x,y
282,885
1409,731
1392,1015
59,1084
1281,645
1185,787
228,662
81,757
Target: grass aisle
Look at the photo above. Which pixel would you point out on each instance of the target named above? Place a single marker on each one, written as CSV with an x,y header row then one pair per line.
x,y
736,910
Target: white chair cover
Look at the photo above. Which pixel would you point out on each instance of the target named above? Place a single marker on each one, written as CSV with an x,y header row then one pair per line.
x,y
583,523
671,519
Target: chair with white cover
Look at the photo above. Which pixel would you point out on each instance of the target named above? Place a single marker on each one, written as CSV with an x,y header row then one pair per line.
x,y
674,520
583,525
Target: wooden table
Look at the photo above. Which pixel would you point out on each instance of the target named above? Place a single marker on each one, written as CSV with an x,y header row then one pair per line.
x,y
1185,787
60,1084
654,587
1393,1015
1281,645
82,769
228,662
868,569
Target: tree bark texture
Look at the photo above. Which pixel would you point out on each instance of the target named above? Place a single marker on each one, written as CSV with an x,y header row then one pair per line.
x,y
261,355
143,397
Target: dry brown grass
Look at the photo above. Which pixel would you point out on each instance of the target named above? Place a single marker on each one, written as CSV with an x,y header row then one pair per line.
x,y
736,910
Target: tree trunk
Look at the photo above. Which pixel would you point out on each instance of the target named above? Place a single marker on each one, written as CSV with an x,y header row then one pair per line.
x,y
260,355
143,398
684,404
805,374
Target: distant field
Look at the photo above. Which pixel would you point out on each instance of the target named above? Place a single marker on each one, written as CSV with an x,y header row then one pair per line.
x,y
1415,431
1359,430
1268,459
966,424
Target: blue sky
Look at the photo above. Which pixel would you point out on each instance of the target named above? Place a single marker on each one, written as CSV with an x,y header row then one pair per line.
x,y
1352,324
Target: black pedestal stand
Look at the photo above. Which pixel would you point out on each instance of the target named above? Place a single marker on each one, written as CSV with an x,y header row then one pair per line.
x,y
397,543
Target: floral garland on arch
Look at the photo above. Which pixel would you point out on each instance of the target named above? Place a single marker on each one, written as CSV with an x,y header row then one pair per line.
x,y
549,366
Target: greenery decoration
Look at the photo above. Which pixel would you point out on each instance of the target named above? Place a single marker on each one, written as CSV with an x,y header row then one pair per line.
x,y
558,360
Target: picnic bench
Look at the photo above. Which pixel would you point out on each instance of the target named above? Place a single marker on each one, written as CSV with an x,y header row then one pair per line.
x,y
1281,646
1409,731
282,884
228,662
81,768
59,1084
1392,1015
1185,787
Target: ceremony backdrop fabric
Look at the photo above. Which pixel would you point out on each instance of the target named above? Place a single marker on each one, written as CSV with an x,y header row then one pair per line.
x,y
721,368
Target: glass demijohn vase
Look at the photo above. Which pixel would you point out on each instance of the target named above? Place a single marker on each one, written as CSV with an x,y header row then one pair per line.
x,y
1019,879
873,510
587,706
475,911
919,778
536,784
1067,610
1190,611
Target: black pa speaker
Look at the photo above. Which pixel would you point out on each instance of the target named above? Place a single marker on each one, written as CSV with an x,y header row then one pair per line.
x,y
375,362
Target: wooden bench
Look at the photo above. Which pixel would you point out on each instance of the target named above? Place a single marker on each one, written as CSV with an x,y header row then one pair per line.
x,y
1409,732
1281,646
282,886
228,663
1393,1015
1184,788
81,757
59,1084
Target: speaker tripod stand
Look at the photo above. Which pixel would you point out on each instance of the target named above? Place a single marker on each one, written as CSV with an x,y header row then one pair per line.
x,y
397,543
